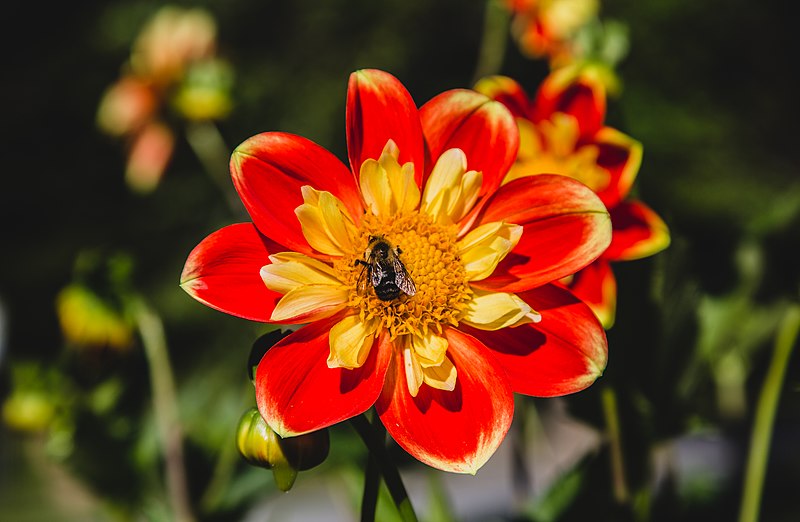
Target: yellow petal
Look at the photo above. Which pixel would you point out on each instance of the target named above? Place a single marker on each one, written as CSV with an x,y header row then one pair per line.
x,y
350,342
375,187
429,348
290,270
414,375
441,377
310,303
451,191
325,222
484,247
496,310
387,187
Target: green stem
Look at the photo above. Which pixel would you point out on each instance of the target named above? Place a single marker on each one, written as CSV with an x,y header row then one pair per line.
x,y
611,413
226,463
165,408
212,151
765,415
493,41
375,440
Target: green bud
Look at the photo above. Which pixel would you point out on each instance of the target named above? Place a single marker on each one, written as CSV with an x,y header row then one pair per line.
x,y
261,446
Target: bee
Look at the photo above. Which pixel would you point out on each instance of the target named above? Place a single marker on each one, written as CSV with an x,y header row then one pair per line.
x,y
383,269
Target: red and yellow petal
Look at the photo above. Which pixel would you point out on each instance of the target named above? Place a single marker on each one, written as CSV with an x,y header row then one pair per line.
x,y
455,430
565,227
268,172
564,353
484,129
379,109
508,92
223,272
638,232
297,392
596,286
621,156
567,90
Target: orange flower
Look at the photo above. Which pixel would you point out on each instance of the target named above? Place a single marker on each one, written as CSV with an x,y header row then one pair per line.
x,y
562,131
424,284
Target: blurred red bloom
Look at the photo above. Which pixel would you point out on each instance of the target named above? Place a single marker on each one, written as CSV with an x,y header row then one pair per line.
x,y
562,131
547,28
477,317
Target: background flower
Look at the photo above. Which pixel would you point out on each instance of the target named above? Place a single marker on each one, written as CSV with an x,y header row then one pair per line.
x,y
563,131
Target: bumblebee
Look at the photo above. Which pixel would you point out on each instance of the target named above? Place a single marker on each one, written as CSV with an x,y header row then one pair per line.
x,y
383,269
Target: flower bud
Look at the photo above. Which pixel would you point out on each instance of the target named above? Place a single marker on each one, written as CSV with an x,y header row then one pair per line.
x,y
261,446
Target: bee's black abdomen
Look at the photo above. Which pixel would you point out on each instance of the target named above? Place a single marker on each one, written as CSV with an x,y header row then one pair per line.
x,y
387,291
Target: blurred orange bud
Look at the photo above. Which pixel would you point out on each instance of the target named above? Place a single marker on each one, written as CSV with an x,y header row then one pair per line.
x,y
126,106
172,39
148,157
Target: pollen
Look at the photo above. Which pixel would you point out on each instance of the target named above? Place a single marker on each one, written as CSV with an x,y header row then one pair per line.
x,y
429,253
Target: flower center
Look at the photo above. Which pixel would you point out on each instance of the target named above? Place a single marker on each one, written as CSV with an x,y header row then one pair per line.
x,y
429,254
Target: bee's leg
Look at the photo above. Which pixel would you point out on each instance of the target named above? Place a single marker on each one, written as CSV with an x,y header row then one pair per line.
x,y
360,262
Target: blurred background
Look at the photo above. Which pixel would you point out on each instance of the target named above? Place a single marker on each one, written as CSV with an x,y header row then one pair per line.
x,y
109,185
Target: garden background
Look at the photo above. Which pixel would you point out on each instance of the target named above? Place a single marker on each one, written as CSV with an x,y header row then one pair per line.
x,y
705,86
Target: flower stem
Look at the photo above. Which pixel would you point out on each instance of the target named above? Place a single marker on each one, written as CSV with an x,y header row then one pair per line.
x,y
372,484
375,439
765,415
165,408
210,148
618,480
493,41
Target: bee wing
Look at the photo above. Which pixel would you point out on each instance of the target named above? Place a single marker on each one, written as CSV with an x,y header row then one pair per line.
x,y
402,280
376,273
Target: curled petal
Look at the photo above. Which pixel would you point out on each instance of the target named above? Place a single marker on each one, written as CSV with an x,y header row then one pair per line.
x,y
288,270
380,109
454,430
564,353
325,223
638,232
495,310
430,348
297,393
451,191
268,171
485,246
425,361
351,339
413,371
484,129
565,227
442,376
223,272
